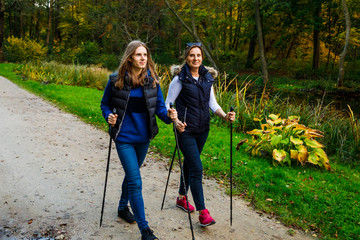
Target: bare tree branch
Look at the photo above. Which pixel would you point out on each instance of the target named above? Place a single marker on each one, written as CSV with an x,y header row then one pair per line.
x,y
193,32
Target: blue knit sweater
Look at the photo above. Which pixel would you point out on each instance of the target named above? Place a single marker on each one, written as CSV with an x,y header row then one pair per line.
x,y
135,127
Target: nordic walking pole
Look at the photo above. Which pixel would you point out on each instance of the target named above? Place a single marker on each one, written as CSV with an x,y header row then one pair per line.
x,y
107,171
172,161
182,174
167,182
231,167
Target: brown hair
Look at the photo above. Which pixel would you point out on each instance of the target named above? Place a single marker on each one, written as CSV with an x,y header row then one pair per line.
x,y
190,46
126,66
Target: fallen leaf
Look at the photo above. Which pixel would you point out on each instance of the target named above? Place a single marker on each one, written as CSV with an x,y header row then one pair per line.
x,y
269,200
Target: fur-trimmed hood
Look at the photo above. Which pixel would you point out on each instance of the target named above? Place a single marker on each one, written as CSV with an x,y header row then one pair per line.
x,y
175,70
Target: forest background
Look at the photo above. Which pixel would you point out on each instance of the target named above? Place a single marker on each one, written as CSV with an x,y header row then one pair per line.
x,y
301,39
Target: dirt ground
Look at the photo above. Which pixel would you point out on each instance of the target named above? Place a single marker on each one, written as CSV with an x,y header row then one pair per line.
x,y
52,168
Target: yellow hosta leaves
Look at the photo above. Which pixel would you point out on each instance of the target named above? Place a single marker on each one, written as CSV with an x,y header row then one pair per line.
x,y
294,118
265,125
278,128
313,143
270,122
275,140
302,154
313,133
294,154
257,132
286,139
313,158
301,127
257,120
277,121
273,117
323,158
295,141
279,155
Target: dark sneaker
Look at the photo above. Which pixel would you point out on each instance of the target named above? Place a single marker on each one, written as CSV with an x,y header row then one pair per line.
x,y
181,203
148,234
205,218
126,215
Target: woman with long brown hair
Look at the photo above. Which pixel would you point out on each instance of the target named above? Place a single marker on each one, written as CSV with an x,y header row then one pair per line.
x,y
192,91
135,93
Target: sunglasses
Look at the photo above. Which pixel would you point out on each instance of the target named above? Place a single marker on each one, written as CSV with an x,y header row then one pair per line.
x,y
193,44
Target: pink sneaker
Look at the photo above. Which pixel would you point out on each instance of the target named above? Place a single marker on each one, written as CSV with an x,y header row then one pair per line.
x,y
181,203
205,218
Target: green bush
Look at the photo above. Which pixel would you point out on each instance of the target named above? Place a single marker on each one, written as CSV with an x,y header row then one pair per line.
x,y
110,61
89,53
287,140
23,50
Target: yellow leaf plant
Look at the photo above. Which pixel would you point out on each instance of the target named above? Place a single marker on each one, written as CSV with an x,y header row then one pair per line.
x,y
287,140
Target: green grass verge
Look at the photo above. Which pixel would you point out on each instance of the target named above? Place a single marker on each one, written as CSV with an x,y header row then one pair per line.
x,y
310,198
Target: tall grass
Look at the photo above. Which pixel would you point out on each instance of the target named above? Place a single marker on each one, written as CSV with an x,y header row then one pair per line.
x,y
249,100
75,75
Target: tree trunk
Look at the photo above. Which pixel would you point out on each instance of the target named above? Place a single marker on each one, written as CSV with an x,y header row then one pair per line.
x,y
261,43
2,22
37,26
57,35
231,37
49,25
316,38
21,21
237,28
347,39
178,40
251,51
194,32
293,41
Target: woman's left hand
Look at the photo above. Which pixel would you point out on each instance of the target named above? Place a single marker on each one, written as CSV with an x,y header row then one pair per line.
x,y
230,117
172,113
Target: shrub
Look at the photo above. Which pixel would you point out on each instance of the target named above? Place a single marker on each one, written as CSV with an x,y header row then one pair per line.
x,y
23,50
76,75
89,53
287,140
110,61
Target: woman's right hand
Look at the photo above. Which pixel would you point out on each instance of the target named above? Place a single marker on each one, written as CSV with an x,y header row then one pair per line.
x,y
112,119
180,126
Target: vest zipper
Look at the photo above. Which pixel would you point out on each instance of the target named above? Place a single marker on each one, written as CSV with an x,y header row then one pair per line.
x,y
122,120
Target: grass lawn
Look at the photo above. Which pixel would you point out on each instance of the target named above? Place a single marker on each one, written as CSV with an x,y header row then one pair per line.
x,y
313,199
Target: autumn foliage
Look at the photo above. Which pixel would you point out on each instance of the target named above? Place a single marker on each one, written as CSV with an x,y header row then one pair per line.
x,y
287,141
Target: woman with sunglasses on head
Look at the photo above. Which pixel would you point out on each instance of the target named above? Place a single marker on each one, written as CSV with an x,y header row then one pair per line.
x,y
192,91
135,93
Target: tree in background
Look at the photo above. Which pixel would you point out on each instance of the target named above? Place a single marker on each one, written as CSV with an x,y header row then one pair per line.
x,y
347,39
2,21
293,36
261,43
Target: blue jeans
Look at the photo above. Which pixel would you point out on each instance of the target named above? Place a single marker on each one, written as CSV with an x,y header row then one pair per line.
x,y
191,146
132,157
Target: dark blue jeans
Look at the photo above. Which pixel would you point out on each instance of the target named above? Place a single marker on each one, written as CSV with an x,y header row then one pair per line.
x,y
191,146
132,157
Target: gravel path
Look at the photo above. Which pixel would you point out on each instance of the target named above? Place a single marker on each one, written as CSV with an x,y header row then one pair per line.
x,y
52,168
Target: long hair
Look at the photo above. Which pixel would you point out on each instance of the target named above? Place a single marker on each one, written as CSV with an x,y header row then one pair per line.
x,y
127,67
